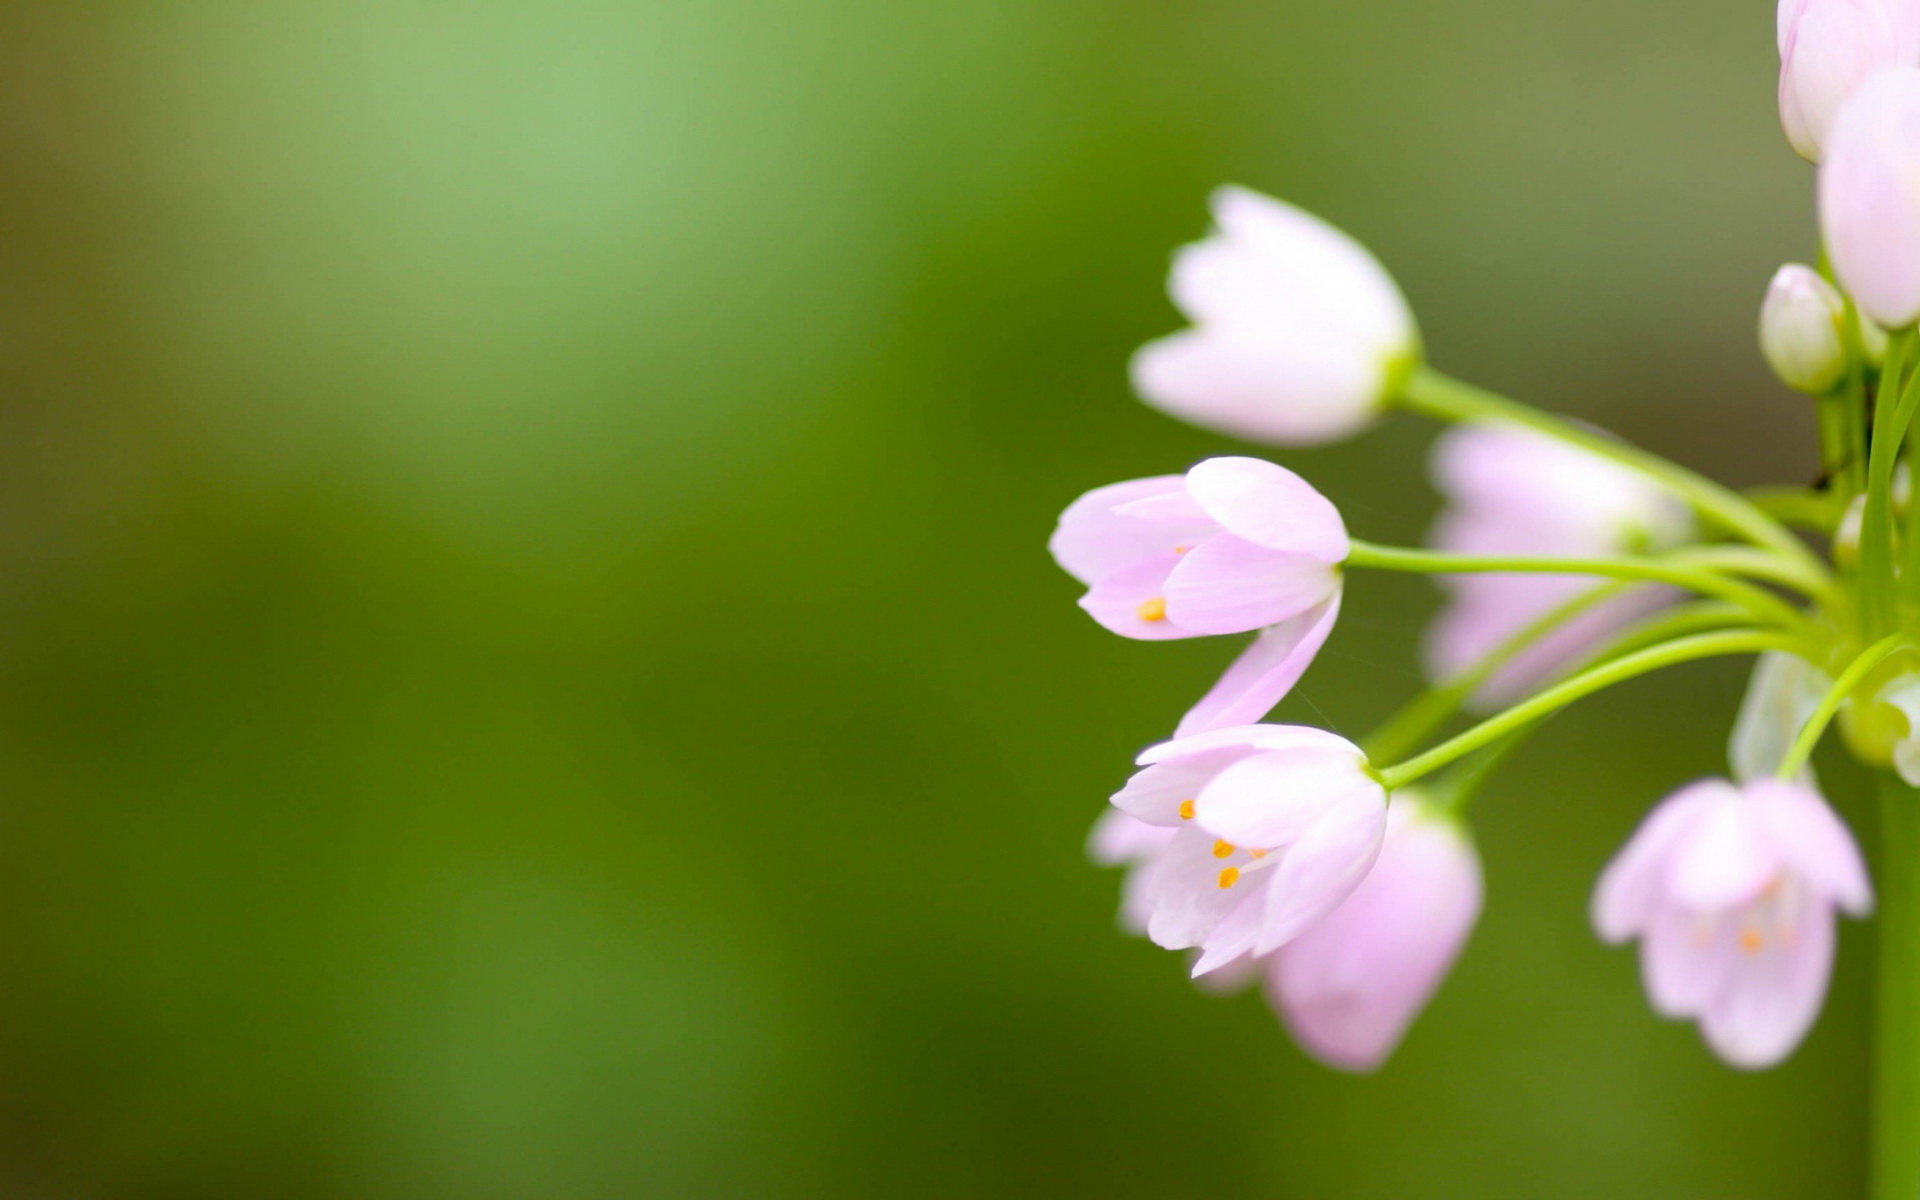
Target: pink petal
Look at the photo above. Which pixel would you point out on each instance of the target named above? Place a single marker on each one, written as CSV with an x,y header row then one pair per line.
x,y
1121,601
1684,961
1265,672
1118,838
1258,737
1184,892
1289,392
1092,541
1154,794
1272,798
1633,886
1269,506
1813,841
1725,860
1771,998
1229,585
1348,987
1323,867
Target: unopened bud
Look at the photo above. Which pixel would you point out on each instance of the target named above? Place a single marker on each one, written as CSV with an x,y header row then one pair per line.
x,y
1846,538
1800,330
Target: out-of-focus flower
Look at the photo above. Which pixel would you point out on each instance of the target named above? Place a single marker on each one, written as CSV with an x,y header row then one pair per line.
x,y
1731,890
1903,694
1784,691
1298,333
1272,827
1828,49
1510,491
1870,197
1349,987
1800,330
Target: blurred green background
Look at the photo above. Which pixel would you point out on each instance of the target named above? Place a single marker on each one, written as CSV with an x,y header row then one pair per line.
x,y
528,666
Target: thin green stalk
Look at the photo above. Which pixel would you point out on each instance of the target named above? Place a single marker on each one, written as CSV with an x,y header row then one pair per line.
x,y
1803,508
1896,1021
1763,604
1553,699
1816,723
1698,617
1892,412
1428,711
1428,391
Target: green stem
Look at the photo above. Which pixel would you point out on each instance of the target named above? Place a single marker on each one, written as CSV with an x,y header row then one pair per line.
x,y
1816,723
1465,781
1892,412
1619,670
1436,395
1896,1023
1410,726
1764,605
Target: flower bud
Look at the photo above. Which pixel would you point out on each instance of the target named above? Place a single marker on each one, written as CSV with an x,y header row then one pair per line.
x,y
1846,538
1800,330
1828,48
1870,197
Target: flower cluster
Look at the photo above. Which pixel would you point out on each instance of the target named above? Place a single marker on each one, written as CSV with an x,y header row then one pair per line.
x,y
1342,875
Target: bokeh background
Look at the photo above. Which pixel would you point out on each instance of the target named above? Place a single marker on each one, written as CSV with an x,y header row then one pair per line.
x,y
528,666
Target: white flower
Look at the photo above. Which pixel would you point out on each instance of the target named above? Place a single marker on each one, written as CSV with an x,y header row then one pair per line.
x,y
1298,331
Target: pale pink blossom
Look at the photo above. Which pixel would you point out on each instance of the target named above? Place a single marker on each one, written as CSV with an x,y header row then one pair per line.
x,y
1298,332
1514,492
1828,49
1235,545
1349,987
1731,890
1870,197
1268,828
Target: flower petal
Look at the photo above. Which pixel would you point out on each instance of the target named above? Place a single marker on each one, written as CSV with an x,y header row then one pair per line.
x,y
1265,671
1322,867
1813,841
1185,893
1092,541
1132,602
1725,859
1771,998
1634,885
1290,392
1229,585
1269,506
1684,961
1156,793
1272,798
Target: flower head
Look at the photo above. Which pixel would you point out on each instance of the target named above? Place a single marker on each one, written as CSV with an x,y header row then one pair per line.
x,y
1514,492
1828,48
1348,987
1298,331
1870,197
1269,827
1731,890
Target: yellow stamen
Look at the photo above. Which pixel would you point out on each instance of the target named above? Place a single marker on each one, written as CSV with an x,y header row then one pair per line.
x,y
1258,853
1229,877
1222,849
1751,941
1153,610
1186,810
1181,549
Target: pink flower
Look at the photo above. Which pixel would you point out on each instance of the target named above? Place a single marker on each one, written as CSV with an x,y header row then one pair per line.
x,y
1348,987
1732,890
1510,491
1870,197
1235,545
1828,48
1271,827
1298,331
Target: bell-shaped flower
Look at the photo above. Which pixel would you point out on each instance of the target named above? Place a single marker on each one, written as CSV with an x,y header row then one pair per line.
x,y
1784,691
1118,840
1349,987
1272,826
1731,890
1870,197
1235,545
1299,335
1511,491
1800,330
1828,49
